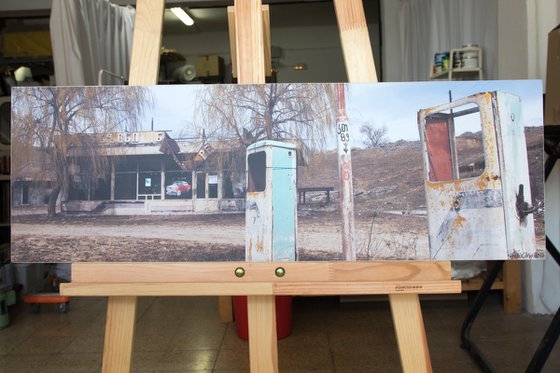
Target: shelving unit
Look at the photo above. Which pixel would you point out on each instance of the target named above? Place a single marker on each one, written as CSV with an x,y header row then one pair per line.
x,y
5,196
471,70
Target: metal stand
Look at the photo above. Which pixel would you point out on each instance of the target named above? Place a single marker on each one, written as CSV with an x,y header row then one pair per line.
x,y
552,333
552,146
481,296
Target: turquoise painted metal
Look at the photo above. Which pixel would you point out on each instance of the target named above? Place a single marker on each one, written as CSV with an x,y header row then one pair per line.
x,y
271,209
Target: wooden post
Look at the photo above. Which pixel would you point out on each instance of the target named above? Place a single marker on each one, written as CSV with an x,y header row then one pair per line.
x,y
411,337
249,40
511,274
360,67
119,334
146,42
263,349
344,150
266,40
144,68
356,46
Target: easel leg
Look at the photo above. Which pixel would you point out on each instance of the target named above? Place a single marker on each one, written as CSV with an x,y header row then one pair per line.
x,y
411,336
119,333
512,286
263,348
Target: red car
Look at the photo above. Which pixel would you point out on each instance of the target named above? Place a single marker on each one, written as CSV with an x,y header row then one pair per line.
x,y
178,188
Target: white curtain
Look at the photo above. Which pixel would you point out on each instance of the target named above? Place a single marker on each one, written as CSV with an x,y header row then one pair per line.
x,y
87,36
541,280
430,26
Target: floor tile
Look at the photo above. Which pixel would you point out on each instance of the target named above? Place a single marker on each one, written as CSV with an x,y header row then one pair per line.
x,y
188,360
184,334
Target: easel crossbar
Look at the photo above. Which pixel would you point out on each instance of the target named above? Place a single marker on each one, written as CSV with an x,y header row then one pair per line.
x,y
260,272
260,288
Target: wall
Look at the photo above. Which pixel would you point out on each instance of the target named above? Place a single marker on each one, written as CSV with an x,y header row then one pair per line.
x,y
542,279
18,5
318,47
542,16
512,39
392,61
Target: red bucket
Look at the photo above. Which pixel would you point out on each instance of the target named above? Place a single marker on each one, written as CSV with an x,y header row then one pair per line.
x,y
283,316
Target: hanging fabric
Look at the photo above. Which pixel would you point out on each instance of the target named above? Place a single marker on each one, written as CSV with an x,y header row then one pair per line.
x,y
430,26
87,36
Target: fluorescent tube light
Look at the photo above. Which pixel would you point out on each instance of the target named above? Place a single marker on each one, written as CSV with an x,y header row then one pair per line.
x,y
183,16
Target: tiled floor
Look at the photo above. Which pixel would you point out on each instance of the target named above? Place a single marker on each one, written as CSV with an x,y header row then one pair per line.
x,y
185,335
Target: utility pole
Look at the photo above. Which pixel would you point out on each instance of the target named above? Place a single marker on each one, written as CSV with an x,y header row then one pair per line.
x,y
345,174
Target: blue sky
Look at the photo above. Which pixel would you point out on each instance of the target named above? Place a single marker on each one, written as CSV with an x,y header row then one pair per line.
x,y
393,105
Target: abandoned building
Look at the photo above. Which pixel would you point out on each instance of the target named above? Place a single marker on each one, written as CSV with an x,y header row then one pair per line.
x,y
146,172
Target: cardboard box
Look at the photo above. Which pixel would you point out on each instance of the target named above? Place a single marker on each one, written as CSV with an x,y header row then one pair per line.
x,y
552,98
209,66
27,44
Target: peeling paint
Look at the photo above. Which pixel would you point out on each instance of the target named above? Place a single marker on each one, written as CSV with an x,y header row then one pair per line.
x,y
270,213
476,216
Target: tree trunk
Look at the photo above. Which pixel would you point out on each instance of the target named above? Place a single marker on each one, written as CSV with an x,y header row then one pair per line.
x,y
53,196
268,124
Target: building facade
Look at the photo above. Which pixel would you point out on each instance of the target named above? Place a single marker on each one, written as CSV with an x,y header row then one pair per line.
x,y
148,172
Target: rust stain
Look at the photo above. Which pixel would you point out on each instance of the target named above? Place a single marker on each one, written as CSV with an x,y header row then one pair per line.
x,y
483,181
446,186
260,246
250,253
459,222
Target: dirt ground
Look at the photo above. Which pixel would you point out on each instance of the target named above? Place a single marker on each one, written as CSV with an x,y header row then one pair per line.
x,y
220,237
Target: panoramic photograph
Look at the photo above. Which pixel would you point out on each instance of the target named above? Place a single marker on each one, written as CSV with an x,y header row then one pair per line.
x,y
278,172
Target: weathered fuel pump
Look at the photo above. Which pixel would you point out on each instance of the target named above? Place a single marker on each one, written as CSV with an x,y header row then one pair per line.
x,y
271,209
477,208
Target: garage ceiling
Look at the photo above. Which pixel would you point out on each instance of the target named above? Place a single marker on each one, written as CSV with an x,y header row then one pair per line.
x,y
282,14
209,15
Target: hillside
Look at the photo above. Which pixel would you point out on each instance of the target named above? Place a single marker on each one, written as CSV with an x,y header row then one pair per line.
x,y
391,178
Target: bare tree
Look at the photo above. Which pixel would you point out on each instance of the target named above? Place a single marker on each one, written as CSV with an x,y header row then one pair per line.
x,y
248,113
50,123
375,136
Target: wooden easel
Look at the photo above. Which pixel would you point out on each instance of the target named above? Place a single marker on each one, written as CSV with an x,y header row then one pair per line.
x,y
123,283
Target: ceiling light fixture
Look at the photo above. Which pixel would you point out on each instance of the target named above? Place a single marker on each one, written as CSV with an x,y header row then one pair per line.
x,y
183,16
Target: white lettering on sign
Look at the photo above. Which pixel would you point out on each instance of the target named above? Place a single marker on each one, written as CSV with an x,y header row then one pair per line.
x,y
143,137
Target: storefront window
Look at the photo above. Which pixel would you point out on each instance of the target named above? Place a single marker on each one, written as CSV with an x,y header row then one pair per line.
x,y
233,184
149,183
200,185
212,186
102,190
178,185
125,186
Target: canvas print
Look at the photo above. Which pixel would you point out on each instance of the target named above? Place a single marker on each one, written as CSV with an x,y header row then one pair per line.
x,y
278,172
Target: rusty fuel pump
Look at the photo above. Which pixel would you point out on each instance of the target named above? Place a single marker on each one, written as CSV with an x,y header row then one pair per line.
x,y
477,207
271,209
